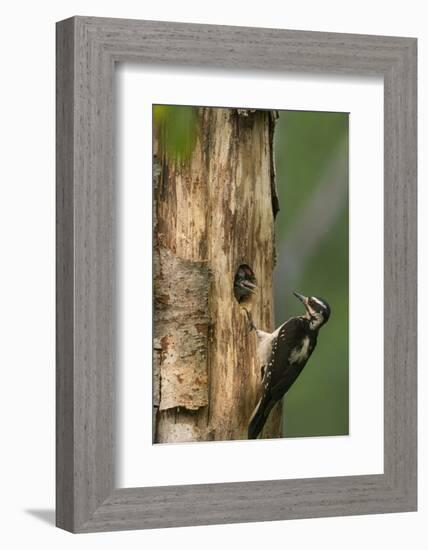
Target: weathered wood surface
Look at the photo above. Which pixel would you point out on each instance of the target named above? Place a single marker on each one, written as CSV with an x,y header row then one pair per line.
x,y
214,212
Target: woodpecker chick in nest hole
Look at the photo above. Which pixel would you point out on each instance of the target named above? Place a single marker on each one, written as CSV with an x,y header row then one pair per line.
x,y
283,354
245,283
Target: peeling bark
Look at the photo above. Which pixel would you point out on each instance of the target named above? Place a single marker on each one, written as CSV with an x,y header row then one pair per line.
x,y
180,330
213,213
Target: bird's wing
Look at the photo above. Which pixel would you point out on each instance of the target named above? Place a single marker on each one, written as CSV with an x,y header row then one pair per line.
x,y
280,375
288,378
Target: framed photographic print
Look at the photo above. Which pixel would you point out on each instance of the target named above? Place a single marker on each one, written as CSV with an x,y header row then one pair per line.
x,y
236,274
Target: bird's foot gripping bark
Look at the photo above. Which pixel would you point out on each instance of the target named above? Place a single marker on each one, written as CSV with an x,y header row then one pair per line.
x,y
251,324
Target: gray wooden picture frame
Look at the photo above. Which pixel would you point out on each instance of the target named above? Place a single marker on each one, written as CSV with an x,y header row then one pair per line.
x,y
87,50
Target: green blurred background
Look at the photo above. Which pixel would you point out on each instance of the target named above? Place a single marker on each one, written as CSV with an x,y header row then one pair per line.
x,y
311,155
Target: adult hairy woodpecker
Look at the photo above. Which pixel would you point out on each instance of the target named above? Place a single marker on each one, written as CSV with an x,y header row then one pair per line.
x,y
245,282
283,354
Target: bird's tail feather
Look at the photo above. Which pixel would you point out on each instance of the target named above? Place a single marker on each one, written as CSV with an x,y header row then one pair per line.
x,y
258,419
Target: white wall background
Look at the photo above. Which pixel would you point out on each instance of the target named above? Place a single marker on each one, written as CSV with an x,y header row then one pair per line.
x,y
27,272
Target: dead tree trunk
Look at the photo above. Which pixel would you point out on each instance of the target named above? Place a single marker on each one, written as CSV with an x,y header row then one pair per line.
x,y
213,212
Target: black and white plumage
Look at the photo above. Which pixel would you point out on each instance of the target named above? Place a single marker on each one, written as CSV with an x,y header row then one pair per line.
x,y
283,354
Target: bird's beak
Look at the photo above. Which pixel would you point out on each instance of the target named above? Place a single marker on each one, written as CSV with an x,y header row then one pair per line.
x,y
302,298
249,286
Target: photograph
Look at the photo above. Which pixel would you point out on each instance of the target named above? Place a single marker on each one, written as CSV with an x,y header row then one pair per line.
x,y
250,274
